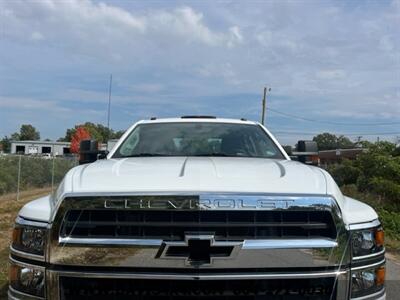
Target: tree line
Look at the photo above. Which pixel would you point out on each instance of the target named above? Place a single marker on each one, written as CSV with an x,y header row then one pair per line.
x,y
98,132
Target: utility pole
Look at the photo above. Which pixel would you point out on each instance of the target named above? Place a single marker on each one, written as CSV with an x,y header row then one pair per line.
x,y
358,144
19,176
264,104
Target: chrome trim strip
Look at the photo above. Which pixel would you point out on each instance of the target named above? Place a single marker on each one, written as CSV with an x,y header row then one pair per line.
x,y
173,276
20,295
109,241
247,244
26,254
26,265
366,225
191,193
22,221
381,294
369,266
370,255
289,244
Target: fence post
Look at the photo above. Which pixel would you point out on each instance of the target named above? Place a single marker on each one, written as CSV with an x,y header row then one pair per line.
x,y
52,176
19,176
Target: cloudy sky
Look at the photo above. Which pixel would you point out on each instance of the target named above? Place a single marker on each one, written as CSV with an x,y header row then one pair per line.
x,y
332,65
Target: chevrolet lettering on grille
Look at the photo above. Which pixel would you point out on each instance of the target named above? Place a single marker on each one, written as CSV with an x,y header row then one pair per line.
x,y
199,204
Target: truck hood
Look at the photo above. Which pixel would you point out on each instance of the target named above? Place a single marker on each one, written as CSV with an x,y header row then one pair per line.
x,y
197,174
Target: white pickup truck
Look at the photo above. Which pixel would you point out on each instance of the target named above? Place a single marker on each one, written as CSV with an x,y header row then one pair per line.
x,y
196,208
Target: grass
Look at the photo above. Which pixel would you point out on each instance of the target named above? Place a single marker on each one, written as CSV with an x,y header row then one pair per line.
x,y
9,208
389,215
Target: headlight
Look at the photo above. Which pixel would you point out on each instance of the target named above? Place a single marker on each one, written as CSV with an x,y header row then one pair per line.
x,y
29,280
367,241
367,281
29,239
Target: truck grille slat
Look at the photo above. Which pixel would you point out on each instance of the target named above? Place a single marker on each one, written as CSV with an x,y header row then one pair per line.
x,y
173,225
124,289
212,224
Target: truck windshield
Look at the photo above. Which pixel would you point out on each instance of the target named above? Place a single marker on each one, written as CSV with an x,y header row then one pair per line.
x,y
198,139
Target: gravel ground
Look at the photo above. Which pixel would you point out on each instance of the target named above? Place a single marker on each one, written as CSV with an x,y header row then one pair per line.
x,y
392,278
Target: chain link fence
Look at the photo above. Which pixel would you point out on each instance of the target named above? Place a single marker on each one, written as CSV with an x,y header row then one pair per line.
x,y
21,172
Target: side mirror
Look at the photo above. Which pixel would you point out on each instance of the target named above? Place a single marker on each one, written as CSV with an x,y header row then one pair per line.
x,y
103,154
88,151
307,152
307,146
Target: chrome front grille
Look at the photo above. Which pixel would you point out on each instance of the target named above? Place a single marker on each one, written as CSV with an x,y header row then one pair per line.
x,y
171,225
161,231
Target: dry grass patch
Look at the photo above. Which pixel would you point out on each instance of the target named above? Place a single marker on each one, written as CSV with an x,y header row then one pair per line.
x,y
9,207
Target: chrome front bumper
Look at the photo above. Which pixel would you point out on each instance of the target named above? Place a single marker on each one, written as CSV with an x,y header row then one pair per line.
x,y
53,279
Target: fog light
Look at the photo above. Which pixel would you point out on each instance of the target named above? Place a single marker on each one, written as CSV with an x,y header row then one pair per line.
x,y
363,280
29,280
367,281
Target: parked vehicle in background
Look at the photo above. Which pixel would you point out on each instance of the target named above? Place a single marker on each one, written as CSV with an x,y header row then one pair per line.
x,y
46,156
196,207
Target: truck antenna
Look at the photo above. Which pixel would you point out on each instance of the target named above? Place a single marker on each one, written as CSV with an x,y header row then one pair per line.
x,y
109,111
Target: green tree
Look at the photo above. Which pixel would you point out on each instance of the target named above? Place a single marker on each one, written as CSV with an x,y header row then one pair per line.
x,y
345,173
380,171
329,141
6,144
28,132
98,132
15,136
396,151
118,134
376,171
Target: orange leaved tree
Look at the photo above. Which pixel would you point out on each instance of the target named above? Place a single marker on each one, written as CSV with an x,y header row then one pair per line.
x,y
80,134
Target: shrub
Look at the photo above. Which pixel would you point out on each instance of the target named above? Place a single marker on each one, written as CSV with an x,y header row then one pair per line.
x,y
345,173
35,172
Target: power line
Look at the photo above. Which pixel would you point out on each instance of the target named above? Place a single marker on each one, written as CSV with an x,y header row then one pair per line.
x,y
329,122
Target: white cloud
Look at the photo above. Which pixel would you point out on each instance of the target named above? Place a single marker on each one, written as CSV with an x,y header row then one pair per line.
x,y
186,23
36,36
84,21
236,36
316,56
386,43
32,104
331,74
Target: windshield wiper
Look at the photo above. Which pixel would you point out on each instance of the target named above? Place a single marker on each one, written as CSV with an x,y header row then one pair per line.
x,y
212,154
147,155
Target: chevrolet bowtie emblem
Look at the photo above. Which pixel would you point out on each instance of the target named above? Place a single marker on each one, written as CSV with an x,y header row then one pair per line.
x,y
199,250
